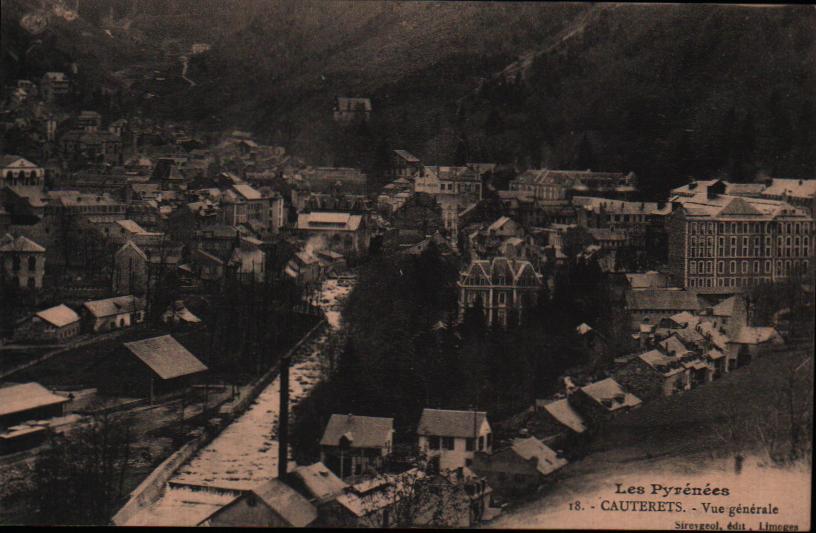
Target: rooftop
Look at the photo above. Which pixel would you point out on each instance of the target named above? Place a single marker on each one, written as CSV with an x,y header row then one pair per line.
x,y
247,192
791,187
361,431
26,396
131,226
319,481
610,394
662,299
563,412
495,270
736,207
614,206
59,316
648,280
114,306
328,220
9,243
166,357
447,423
547,461
756,335
406,155
286,502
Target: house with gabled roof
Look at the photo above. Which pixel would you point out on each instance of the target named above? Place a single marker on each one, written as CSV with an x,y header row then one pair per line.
x,y
353,445
520,468
454,436
345,232
655,373
316,483
248,261
55,324
557,187
272,504
749,343
22,259
150,368
370,503
652,305
349,110
501,286
732,313
601,400
459,182
404,164
136,264
558,418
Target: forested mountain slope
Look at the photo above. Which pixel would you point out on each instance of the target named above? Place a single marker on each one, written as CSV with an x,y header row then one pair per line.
x,y
665,90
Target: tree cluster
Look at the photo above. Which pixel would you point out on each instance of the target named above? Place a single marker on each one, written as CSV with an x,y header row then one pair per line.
x,y
79,479
406,351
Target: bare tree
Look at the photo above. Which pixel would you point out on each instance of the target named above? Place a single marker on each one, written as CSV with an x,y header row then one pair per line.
x,y
782,431
79,478
420,496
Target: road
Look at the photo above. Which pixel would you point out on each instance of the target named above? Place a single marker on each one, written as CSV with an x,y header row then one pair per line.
x,y
185,64
76,343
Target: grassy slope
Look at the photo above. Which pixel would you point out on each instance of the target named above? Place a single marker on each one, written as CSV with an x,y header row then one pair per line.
x,y
677,434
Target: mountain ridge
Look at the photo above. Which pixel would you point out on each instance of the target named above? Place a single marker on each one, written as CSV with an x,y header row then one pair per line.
x,y
665,90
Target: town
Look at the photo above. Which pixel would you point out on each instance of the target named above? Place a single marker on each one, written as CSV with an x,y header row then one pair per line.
x,y
200,329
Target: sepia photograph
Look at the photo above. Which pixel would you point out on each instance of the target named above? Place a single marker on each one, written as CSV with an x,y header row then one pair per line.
x,y
407,264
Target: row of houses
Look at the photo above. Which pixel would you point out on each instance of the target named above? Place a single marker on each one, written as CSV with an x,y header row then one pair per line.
x,y
61,323
454,443
681,353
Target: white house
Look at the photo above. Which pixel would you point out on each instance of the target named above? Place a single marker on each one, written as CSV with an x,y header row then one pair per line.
x,y
114,313
454,436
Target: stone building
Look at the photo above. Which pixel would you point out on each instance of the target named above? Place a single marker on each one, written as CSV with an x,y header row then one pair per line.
x,y
20,173
501,285
554,188
721,243
23,260
91,146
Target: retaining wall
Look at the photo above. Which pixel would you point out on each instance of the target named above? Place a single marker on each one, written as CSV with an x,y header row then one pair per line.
x,y
151,489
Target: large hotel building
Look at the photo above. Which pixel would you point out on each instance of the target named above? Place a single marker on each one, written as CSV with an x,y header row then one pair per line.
x,y
723,242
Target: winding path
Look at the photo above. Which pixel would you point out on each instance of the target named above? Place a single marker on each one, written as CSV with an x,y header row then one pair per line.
x,y
185,64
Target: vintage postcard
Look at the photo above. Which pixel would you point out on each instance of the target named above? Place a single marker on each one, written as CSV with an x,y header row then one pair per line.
x,y
407,264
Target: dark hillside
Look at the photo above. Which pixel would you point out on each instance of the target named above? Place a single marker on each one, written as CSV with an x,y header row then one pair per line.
x,y
665,90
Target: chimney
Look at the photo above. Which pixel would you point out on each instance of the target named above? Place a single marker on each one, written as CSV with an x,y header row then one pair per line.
x,y
283,419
